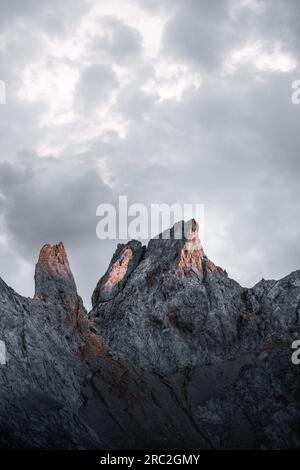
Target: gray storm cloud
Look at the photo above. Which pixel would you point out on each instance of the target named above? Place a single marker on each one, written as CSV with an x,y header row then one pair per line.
x,y
185,101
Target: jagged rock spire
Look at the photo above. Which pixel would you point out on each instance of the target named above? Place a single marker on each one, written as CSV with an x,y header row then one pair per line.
x,y
54,282
53,260
180,249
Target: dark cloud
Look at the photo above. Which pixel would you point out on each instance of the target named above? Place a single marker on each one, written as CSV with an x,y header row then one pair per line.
x,y
135,103
119,40
95,85
14,9
279,21
46,203
200,31
231,142
206,32
236,152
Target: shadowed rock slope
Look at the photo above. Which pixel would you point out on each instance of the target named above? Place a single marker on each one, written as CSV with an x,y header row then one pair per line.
x,y
174,354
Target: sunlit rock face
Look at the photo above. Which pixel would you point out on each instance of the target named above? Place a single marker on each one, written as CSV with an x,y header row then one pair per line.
x,y
124,261
54,283
173,355
118,271
192,254
53,275
193,260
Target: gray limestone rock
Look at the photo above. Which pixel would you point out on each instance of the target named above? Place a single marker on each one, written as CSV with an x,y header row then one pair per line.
x,y
174,354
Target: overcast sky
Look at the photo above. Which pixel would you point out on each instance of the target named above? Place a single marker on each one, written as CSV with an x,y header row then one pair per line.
x,y
165,101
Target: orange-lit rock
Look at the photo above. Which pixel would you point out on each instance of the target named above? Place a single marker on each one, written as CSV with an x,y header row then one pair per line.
x,y
54,282
53,260
125,260
118,270
192,253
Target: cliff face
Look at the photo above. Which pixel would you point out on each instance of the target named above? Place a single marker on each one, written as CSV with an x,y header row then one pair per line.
x,y
177,309
174,354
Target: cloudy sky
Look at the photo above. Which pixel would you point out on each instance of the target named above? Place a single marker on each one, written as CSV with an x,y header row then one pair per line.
x,y
165,101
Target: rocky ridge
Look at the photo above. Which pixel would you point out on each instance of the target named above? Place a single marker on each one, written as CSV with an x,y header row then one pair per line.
x,y
174,354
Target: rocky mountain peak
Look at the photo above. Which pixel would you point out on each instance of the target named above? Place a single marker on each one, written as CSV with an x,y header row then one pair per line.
x,y
53,272
175,354
180,249
177,250
55,284
53,261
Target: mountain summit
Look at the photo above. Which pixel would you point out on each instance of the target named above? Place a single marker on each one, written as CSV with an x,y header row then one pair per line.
x,y
174,354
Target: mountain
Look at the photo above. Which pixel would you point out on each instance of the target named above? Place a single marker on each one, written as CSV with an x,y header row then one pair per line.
x,y
174,354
